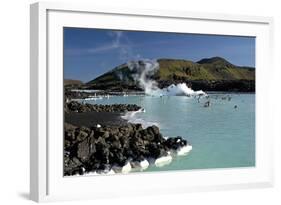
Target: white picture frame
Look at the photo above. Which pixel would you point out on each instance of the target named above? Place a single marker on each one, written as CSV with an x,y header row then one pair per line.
x,y
46,179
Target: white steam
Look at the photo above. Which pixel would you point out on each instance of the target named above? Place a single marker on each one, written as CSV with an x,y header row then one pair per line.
x,y
143,71
179,89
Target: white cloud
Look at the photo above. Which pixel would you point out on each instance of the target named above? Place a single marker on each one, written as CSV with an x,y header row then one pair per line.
x,y
118,41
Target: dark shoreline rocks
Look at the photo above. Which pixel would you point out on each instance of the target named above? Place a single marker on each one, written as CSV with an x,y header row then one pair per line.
x,y
100,149
74,106
215,85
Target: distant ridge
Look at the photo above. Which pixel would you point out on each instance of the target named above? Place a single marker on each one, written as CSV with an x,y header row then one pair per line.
x,y
72,82
215,60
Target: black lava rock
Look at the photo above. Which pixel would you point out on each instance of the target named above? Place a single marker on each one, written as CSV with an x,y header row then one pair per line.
x,y
99,149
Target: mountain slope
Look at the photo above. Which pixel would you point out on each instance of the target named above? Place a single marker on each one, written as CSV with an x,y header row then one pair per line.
x,y
209,70
72,82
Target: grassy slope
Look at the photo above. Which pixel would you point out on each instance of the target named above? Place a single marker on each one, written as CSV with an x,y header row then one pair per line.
x,y
189,70
72,82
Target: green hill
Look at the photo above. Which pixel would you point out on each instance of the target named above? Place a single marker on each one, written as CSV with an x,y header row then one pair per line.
x,y
72,82
204,73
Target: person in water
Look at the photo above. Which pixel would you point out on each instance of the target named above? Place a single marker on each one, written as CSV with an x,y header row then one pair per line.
x,y
207,104
228,98
198,99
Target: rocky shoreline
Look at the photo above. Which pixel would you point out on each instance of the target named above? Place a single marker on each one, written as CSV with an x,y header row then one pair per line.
x,y
244,86
74,106
118,148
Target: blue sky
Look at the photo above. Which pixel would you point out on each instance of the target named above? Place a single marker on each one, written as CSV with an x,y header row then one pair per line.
x,y
89,53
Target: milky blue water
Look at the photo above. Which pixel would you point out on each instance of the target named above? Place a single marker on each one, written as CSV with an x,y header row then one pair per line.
x,y
221,136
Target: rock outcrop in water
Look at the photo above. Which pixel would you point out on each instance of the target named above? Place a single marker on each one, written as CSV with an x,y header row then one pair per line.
x,y
74,106
103,149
